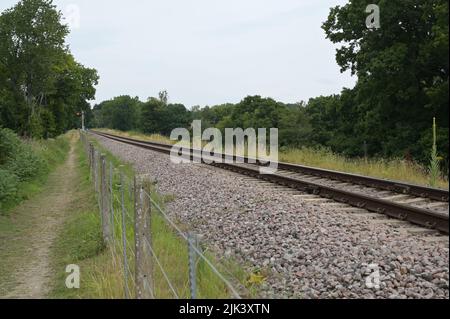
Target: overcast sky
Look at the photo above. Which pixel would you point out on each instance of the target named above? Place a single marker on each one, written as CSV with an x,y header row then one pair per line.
x,y
206,52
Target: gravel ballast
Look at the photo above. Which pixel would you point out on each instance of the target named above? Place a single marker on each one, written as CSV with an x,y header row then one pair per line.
x,y
310,250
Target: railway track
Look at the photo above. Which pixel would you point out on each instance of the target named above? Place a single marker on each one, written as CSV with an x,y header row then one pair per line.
x,y
427,207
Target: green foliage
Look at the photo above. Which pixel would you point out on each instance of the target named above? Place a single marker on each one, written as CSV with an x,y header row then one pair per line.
x,y
8,185
154,116
48,123
41,85
120,113
35,128
149,116
257,112
18,157
160,118
22,162
18,163
8,143
25,164
402,71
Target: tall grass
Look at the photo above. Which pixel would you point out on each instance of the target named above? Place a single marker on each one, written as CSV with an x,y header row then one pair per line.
x,y
145,137
393,169
434,160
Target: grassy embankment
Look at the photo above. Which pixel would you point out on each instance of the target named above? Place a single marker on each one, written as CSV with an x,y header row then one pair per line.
x,y
101,269
25,166
394,169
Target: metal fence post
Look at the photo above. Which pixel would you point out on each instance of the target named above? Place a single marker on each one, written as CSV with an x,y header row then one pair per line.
x,y
124,234
143,263
104,205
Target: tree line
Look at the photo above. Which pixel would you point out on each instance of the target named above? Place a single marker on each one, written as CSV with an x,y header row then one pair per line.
x,y
42,86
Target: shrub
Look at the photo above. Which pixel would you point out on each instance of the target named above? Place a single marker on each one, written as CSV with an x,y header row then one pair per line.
x,y
36,128
8,143
18,157
19,162
8,185
24,163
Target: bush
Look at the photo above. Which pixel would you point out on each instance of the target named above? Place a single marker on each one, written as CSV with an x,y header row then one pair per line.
x,y
19,162
18,157
36,128
8,185
25,164
8,143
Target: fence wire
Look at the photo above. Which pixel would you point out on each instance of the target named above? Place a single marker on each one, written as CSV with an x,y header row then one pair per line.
x,y
135,253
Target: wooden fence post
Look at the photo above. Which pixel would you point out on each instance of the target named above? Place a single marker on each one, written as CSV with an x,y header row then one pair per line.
x,y
104,203
91,158
143,242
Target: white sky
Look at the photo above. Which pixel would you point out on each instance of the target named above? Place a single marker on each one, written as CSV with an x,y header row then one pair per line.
x,y
206,52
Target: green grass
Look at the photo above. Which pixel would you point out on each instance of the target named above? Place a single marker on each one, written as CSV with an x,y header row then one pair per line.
x,y
170,249
394,169
80,241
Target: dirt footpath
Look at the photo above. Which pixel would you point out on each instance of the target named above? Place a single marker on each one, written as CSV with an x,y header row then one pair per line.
x,y
26,251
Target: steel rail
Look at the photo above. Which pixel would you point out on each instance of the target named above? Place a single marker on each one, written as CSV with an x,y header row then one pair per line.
x,y
373,182
419,216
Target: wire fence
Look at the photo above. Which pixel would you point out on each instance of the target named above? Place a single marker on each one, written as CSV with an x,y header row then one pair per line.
x,y
156,257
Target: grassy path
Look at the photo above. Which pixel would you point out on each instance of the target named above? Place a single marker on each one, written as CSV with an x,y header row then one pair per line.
x,y
28,235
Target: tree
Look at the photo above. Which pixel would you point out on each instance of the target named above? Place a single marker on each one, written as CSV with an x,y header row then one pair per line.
x,y
402,71
295,126
40,82
173,116
257,112
120,113
149,122
163,97
74,86
161,118
32,38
